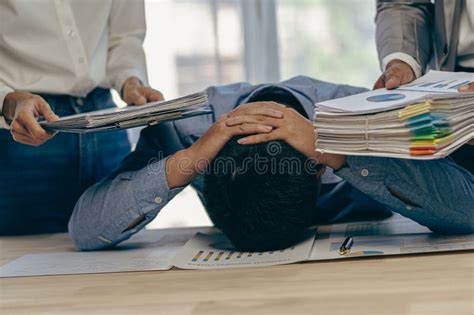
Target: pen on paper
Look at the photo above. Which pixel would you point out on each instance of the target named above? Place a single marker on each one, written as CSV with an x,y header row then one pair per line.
x,y
346,246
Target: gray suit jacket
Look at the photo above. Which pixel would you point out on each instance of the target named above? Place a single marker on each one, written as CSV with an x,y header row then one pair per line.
x,y
429,33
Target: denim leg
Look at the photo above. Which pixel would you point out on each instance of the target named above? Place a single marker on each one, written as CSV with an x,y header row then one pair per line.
x,y
103,151
39,186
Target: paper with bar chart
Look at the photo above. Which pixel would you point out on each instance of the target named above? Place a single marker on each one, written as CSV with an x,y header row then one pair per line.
x,y
439,82
214,251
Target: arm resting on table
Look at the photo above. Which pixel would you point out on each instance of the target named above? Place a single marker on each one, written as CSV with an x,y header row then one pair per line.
x,y
438,194
116,208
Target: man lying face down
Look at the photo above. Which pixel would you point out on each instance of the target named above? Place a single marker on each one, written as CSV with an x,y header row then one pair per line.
x,y
254,165
263,196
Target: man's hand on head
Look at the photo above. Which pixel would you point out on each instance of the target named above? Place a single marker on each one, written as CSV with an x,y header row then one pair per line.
x,y
183,166
292,128
397,73
134,93
209,145
22,109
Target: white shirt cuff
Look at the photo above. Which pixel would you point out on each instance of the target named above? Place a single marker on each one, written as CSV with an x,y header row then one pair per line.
x,y
415,66
4,90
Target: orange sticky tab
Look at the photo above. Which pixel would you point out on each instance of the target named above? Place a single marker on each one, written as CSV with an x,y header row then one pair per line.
x,y
422,151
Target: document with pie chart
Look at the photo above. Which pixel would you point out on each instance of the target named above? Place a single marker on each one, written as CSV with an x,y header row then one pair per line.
x,y
426,119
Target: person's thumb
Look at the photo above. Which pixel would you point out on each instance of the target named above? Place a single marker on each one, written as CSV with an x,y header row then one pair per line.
x,y
135,98
47,112
467,88
392,80
140,100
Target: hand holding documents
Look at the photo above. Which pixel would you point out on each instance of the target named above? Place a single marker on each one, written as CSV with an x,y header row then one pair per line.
x,y
132,116
426,119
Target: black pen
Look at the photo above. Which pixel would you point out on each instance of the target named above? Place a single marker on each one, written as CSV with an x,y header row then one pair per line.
x,y
346,246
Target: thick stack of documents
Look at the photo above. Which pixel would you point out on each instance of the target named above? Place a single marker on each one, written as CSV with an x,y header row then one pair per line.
x,y
426,119
132,116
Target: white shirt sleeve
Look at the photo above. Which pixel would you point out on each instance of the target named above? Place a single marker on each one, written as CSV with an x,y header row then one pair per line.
x,y
405,58
126,57
4,90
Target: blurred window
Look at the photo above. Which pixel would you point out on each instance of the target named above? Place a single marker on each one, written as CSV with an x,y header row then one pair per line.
x,y
192,44
331,40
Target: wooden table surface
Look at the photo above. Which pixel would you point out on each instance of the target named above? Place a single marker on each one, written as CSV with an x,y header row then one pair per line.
x,y
416,284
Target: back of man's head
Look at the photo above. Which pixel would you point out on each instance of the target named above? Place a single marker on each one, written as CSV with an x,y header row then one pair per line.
x,y
263,196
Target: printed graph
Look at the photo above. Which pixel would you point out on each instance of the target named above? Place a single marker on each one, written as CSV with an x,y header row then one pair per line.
x,y
440,86
207,256
213,250
388,97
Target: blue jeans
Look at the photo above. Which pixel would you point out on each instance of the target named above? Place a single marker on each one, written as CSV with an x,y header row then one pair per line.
x,y
40,185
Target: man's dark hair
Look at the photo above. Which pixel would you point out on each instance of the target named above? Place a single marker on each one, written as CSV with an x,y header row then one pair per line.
x,y
263,196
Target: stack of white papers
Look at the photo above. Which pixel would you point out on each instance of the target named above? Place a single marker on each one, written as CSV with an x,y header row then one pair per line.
x,y
426,119
132,116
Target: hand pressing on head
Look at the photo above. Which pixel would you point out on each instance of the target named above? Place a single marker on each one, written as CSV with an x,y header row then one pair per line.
x,y
184,165
22,110
397,73
135,93
292,128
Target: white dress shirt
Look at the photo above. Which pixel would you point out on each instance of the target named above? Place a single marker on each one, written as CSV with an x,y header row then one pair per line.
x,y
465,49
70,46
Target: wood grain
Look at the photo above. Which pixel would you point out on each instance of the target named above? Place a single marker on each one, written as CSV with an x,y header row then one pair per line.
x,y
417,284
